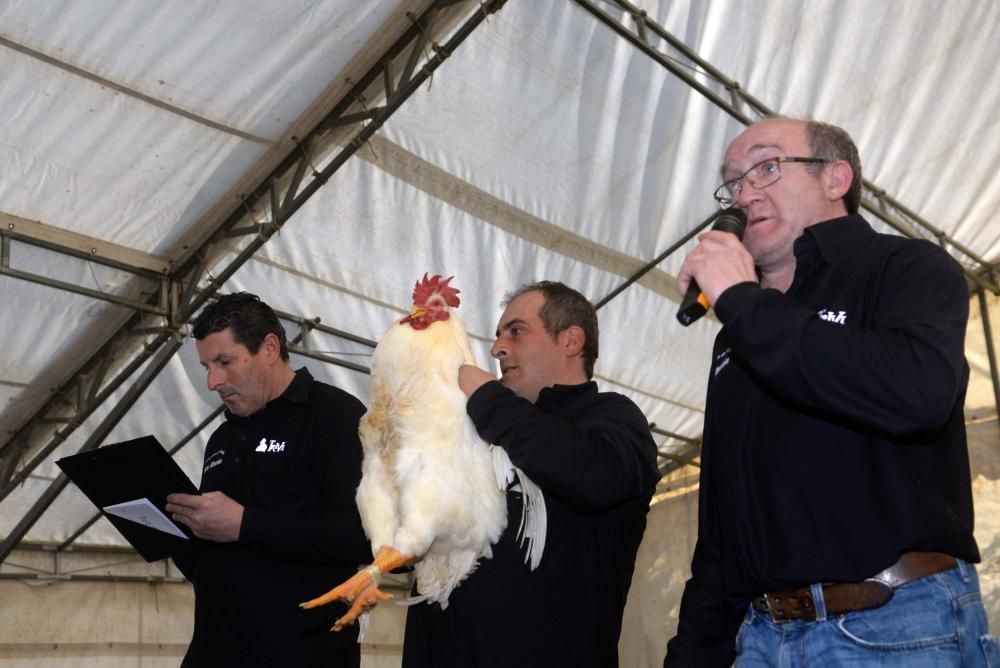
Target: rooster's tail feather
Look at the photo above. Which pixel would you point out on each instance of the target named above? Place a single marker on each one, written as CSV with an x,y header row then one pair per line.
x,y
534,521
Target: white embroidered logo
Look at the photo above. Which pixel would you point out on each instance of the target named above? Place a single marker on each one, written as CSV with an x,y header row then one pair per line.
x,y
270,446
214,459
721,361
837,317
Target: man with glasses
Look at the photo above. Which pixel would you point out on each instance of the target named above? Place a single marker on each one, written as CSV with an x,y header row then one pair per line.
x,y
835,507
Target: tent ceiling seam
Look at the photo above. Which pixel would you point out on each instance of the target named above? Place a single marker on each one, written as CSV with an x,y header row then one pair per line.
x,y
478,337
444,186
135,94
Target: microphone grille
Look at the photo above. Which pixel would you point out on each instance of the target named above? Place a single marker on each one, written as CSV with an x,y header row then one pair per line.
x,y
732,220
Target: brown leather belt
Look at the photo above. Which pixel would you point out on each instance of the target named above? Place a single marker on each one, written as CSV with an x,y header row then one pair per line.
x,y
844,597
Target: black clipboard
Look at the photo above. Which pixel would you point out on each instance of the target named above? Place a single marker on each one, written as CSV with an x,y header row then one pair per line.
x,y
124,474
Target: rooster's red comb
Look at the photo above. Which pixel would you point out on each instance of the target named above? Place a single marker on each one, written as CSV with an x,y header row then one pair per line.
x,y
424,289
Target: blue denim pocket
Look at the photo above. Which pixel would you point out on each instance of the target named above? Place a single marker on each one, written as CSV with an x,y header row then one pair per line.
x,y
919,616
991,651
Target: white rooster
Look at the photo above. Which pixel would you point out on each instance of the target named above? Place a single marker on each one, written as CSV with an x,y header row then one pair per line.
x,y
432,491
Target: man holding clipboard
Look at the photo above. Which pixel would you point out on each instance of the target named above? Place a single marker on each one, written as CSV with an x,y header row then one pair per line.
x,y
277,500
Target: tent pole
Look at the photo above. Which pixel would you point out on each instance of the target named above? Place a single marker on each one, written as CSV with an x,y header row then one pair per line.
x,y
990,352
655,261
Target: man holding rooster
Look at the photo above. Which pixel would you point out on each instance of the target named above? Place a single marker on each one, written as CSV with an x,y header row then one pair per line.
x,y
592,455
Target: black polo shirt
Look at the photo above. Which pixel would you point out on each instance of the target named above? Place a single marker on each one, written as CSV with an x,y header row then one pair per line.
x,y
592,455
295,466
834,432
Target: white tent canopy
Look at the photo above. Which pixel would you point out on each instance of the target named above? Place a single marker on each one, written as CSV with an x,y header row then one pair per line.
x,y
324,155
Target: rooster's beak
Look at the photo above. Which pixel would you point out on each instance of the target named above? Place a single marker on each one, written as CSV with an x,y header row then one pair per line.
x,y
417,312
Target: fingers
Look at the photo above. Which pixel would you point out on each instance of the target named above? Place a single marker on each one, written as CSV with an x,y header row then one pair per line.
x,y
180,501
684,279
213,515
718,262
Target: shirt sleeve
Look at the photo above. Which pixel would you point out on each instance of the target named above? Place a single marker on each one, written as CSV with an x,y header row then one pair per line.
x,y
594,462
901,372
706,629
331,531
708,620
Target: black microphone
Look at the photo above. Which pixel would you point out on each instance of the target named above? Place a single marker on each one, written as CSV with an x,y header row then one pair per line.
x,y
694,305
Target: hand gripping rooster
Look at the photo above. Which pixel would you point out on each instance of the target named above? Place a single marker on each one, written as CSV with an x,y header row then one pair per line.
x,y
432,491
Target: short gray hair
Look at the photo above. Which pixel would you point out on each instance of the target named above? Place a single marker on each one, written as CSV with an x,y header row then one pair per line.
x,y
832,143
563,308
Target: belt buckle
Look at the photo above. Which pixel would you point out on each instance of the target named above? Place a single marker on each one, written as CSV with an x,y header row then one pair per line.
x,y
779,605
773,611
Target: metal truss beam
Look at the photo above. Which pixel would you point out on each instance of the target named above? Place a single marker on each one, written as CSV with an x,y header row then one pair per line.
x,y
147,269
69,407
634,25
82,246
316,156
671,460
94,441
79,564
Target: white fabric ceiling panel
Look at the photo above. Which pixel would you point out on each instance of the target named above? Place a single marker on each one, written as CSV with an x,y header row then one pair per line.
x,y
31,347
362,241
651,352
912,81
100,159
106,164
251,66
45,331
552,113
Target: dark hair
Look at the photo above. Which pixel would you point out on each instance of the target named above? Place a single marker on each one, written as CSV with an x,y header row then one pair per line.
x,y
832,143
246,315
563,308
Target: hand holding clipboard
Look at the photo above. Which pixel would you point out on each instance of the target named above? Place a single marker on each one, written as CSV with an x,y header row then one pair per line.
x,y
129,482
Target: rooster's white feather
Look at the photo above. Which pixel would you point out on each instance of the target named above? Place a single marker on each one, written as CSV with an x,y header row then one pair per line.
x,y
429,487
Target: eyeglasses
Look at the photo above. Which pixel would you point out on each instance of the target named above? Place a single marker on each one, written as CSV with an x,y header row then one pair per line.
x,y
761,175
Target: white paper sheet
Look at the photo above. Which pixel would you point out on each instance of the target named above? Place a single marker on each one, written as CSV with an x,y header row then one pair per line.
x,y
144,512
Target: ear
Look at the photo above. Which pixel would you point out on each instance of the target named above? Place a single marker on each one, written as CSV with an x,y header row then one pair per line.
x,y
572,339
839,178
271,347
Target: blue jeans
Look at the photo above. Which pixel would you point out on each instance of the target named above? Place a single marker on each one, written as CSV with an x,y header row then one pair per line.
x,y
934,622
